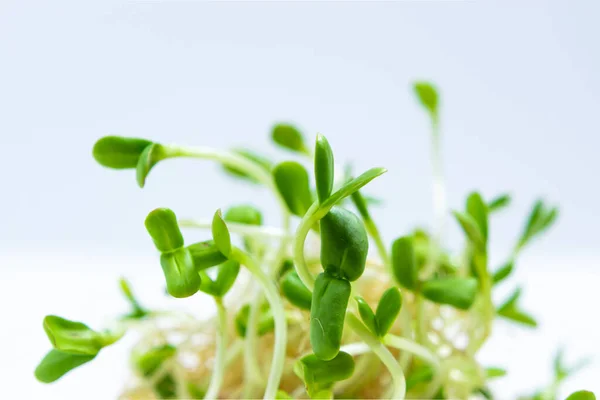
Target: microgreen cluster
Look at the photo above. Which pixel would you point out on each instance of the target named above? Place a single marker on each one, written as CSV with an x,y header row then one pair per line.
x,y
321,307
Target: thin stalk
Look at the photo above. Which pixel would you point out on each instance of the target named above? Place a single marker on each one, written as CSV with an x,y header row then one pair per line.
x,y
401,343
252,368
383,353
242,229
376,236
219,369
279,349
309,219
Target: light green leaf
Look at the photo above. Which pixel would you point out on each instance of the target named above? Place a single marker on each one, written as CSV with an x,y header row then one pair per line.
x,y
510,310
151,155
138,312
352,186
243,214
162,226
221,235
205,254
499,203
73,337
250,155
295,291
265,324
428,96
226,276
291,180
180,273
119,152
477,209
582,395
494,372
324,168
318,375
289,137
471,229
366,314
57,363
540,219
387,310
454,291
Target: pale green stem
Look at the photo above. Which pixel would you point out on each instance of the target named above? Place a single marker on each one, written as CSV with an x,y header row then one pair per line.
x,y
381,249
219,369
382,352
401,343
252,369
310,218
279,349
242,229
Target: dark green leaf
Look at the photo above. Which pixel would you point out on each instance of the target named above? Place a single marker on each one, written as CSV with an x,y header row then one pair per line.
x,y
138,311
226,276
324,168
387,310
428,96
581,395
289,137
344,244
180,273
150,156
256,158
243,214
318,374
119,152
420,374
295,291
162,226
57,363
220,234
503,272
404,263
291,180
477,209
361,205
265,324
457,292
205,254
499,203
352,186
72,337
327,315
471,229
366,314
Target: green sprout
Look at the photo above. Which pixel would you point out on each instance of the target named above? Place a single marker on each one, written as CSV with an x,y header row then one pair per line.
x,y
322,306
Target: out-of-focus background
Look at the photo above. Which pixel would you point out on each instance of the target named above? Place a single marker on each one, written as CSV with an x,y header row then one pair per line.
x,y
520,96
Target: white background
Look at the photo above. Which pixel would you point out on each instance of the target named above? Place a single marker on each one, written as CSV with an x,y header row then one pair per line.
x,y
519,87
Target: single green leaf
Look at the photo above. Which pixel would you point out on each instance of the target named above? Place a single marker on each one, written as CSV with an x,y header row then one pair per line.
x,y
226,276
150,361
138,311
539,220
119,152
151,155
387,310
471,229
344,244
72,337
510,310
457,292
404,263
205,254
494,372
352,186
57,363
282,395
478,210
318,375
503,272
221,235
581,395
561,371
366,314
324,168
162,226
243,214
499,203
295,291
420,374
252,156
289,137
428,96
327,315
266,323
180,273
291,180
361,205
485,392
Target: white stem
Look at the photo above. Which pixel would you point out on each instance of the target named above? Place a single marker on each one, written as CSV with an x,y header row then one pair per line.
x,y
279,348
219,367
